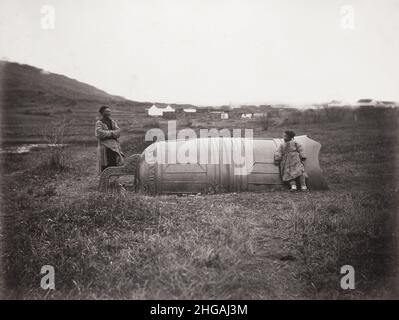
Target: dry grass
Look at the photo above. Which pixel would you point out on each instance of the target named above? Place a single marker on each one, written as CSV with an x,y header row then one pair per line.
x,y
248,245
352,228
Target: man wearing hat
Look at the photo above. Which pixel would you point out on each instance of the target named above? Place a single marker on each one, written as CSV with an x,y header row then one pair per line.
x,y
107,132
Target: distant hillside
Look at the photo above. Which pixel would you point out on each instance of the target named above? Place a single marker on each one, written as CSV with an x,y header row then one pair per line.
x,y
24,83
33,99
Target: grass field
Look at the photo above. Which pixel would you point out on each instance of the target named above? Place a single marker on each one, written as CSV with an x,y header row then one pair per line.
x,y
224,246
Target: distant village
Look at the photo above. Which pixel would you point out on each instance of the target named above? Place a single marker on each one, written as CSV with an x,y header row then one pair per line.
x,y
253,111
224,112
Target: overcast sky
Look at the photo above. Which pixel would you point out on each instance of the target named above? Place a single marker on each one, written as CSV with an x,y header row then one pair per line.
x,y
212,52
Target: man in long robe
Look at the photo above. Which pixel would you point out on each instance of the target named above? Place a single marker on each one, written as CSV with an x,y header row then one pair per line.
x,y
107,132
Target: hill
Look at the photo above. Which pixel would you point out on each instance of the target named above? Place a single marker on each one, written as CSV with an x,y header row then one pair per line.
x,y
20,80
31,98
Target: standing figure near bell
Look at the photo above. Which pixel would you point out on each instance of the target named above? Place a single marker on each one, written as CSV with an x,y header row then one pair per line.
x,y
290,155
107,132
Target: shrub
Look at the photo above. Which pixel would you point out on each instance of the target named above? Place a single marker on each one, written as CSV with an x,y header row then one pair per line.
x,y
56,157
264,121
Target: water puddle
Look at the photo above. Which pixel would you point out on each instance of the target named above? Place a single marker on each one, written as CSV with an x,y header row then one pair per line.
x,y
26,148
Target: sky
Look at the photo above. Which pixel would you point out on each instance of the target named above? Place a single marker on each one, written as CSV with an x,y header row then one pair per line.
x,y
212,52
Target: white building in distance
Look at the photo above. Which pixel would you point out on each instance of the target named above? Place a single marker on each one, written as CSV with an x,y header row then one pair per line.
x,y
154,111
224,115
190,110
168,109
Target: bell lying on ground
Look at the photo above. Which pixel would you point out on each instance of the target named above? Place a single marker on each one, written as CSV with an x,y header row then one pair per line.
x,y
213,165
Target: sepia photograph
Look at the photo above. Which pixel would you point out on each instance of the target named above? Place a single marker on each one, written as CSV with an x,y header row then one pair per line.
x,y
222,150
